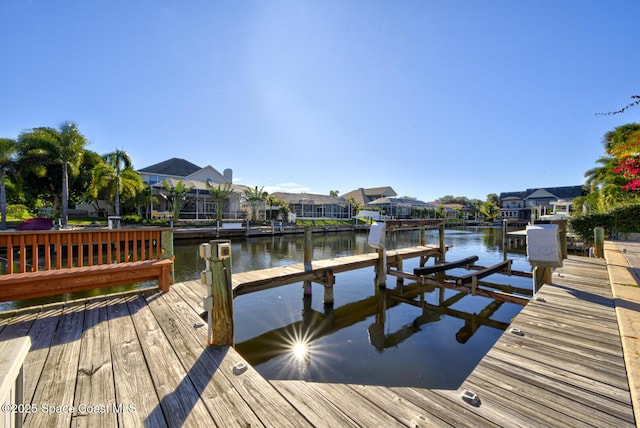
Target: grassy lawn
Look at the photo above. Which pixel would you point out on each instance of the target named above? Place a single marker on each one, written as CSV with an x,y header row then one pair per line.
x,y
328,222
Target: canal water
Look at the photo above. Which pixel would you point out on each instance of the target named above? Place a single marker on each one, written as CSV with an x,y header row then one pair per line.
x,y
367,337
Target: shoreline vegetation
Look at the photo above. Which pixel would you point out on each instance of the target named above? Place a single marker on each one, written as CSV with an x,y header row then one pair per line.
x,y
136,221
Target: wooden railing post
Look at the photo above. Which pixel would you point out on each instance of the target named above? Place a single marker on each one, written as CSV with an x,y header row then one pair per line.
x,y
167,250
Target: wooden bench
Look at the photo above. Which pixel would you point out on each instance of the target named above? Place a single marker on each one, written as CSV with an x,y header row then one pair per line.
x,y
28,285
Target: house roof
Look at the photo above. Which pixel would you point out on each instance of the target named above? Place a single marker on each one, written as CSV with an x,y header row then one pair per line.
x,y
197,184
174,166
208,173
541,194
564,192
399,202
308,198
364,196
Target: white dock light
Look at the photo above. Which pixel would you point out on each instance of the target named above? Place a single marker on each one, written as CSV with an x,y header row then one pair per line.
x,y
377,234
224,250
206,277
205,251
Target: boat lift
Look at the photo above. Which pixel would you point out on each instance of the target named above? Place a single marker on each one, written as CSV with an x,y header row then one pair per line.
x,y
468,284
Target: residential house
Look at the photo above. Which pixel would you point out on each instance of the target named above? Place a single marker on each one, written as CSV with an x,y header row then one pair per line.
x,y
199,204
363,197
308,205
521,206
400,208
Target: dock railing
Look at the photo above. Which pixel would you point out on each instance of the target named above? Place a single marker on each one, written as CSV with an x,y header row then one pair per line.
x,y
47,263
43,250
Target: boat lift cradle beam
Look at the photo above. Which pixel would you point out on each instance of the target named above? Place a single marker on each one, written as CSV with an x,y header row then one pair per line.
x,y
461,282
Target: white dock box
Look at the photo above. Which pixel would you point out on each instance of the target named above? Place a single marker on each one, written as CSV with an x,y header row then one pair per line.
x,y
377,234
543,245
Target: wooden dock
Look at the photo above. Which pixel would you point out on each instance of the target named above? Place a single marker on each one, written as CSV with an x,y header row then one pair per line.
x,y
248,282
141,360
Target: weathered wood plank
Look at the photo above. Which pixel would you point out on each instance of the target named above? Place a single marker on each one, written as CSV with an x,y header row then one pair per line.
x,y
262,398
451,412
318,410
566,346
179,322
351,403
403,410
54,396
132,381
41,333
179,401
575,379
530,386
580,337
95,392
518,411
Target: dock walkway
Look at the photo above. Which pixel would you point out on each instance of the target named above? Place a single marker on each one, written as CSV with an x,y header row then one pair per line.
x,y
141,360
247,282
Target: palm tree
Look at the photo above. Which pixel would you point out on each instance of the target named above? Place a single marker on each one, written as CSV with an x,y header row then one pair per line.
x,y
623,141
603,175
8,148
115,177
51,146
176,195
219,195
255,197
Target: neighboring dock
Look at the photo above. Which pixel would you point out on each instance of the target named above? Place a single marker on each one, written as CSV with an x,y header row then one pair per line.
x,y
140,359
247,282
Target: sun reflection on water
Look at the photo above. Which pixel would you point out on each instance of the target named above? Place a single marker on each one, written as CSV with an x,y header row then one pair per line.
x,y
300,350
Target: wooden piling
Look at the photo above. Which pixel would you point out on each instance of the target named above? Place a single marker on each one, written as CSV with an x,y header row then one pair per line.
x,y
220,310
504,238
308,251
443,248
598,242
381,268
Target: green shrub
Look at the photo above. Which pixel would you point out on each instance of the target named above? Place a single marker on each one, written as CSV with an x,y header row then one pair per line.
x,y
623,219
132,219
17,211
626,218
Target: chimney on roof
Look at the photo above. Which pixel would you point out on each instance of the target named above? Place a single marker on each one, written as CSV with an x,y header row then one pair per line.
x,y
228,174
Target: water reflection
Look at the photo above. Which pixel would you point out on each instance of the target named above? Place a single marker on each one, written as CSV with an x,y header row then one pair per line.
x,y
410,335
310,348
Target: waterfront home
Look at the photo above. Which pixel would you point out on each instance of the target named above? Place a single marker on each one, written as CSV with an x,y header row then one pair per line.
x,y
308,205
198,204
522,205
363,196
397,207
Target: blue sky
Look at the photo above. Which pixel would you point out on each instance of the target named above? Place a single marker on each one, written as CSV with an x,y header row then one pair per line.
x,y
433,98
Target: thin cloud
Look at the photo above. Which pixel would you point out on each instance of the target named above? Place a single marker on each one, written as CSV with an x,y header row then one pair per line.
x,y
287,188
